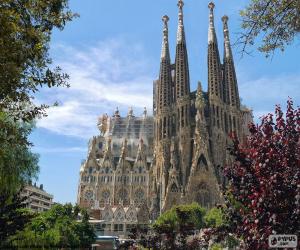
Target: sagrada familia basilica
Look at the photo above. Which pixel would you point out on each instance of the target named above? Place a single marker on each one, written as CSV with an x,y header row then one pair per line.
x,y
141,166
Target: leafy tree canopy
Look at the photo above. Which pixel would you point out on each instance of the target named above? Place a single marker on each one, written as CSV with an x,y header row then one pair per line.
x,y
13,215
26,28
58,227
276,23
18,165
190,215
215,218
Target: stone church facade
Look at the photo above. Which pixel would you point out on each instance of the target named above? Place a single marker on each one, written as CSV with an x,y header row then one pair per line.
x,y
147,164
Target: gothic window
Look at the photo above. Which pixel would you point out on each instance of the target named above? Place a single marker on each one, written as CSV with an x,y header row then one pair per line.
x,y
139,197
107,216
105,194
106,170
174,188
203,194
130,216
88,195
119,216
202,162
90,170
123,196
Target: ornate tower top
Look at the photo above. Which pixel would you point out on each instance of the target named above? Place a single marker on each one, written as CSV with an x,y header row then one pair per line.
x,y
230,80
180,31
215,87
130,112
211,6
227,51
145,112
211,29
199,97
165,46
117,112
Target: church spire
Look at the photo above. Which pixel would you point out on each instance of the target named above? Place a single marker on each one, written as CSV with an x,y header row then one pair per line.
x,y
211,30
180,30
165,53
182,78
230,81
164,88
182,97
215,89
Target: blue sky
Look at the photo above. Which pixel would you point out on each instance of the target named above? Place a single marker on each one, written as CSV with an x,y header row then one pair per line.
x,y
112,56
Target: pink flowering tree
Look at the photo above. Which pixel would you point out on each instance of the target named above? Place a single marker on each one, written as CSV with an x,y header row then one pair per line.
x,y
263,195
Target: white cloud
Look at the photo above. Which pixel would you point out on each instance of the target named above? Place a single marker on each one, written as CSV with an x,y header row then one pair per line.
x,y
112,74
102,77
264,93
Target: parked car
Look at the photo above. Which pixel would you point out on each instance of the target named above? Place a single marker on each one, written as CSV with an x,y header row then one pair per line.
x,y
106,243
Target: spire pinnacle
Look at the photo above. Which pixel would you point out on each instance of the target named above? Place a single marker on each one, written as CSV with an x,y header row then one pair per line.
x,y
165,45
226,36
199,88
130,112
180,6
124,149
145,112
180,31
211,30
117,112
140,153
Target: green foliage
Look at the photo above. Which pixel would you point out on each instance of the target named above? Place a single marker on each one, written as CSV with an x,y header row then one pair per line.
x,y
57,227
214,218
13,215
18,164
26,28
216,247
190,216
276,23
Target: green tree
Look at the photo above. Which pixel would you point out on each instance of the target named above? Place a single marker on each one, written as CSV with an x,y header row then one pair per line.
x,y
215,218
18,165
13,215
26,28
25,67
58,227
177,222
276,23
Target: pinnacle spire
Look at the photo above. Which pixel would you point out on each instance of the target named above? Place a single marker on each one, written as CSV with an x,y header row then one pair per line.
x,y
165,54
124,149
140,153
199,88
227,47
211,30
180,31
130,112
108,153
231,92
215,88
